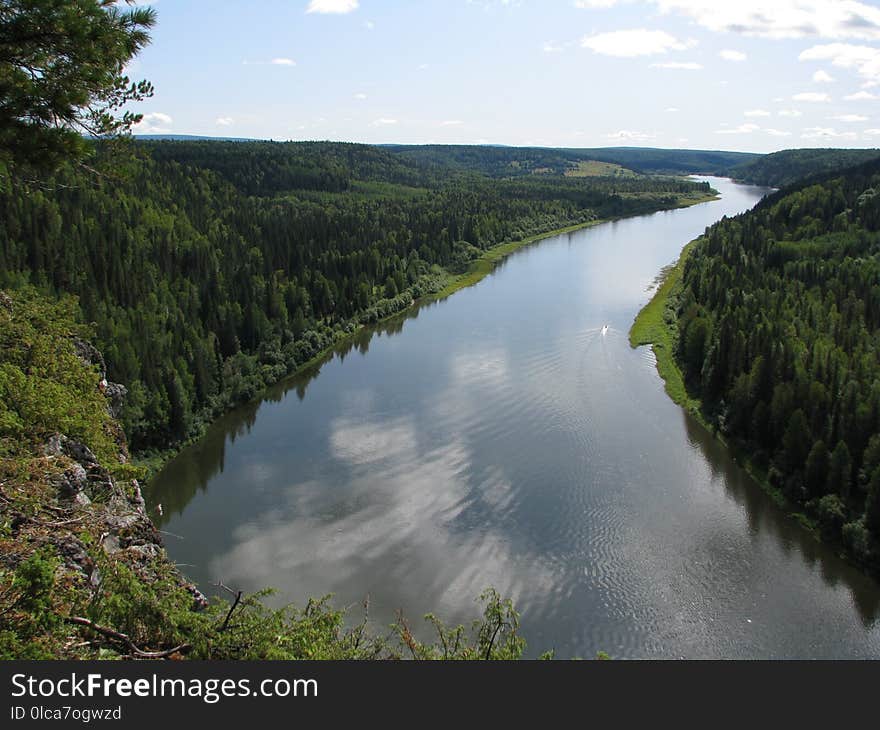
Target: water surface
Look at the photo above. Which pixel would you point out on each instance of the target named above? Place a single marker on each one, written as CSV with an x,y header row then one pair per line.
x,y
498,438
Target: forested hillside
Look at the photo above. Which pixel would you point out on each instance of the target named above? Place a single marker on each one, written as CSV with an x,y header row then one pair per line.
x,y
789,167
779,333
84,573
519,161
212,269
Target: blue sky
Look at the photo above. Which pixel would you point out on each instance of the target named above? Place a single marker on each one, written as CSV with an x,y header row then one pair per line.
x,y
737,75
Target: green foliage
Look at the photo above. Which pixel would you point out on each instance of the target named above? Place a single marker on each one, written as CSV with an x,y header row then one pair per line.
x,y
60,76
27,608
33,584
494,637
506,162
831,513
655,325
789,167
220,267
45,388
816,472
789,366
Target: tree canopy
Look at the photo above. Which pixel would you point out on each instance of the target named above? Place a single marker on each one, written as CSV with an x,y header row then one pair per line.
x,y
216,268
62,76
779,335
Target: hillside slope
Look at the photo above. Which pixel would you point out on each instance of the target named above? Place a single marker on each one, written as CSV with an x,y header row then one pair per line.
x,y
789,167
214,269
778,334
496,161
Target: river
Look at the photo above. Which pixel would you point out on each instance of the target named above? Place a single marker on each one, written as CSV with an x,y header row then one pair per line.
x,y
499,438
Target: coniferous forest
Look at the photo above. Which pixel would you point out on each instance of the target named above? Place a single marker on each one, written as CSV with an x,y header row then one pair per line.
x,y
212,269
779,333
151,282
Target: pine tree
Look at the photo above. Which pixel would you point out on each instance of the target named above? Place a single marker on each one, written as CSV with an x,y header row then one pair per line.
x,y
61,78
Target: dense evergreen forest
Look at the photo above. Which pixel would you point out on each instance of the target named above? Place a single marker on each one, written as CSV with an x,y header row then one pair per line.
x,y
212,269
498,161
779,333
788,167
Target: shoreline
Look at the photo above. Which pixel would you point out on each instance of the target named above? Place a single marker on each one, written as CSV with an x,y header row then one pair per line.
x,y
481,267
654,326
477,270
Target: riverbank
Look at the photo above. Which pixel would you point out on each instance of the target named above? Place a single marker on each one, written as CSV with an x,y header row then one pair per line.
x,y
478,269
656,325
485,264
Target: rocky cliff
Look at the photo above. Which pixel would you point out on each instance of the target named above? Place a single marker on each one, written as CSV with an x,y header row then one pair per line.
x,y
74,529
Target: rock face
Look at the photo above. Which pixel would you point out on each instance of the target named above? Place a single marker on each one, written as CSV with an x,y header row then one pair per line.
x,y
115,392
115,510
89,354
116,396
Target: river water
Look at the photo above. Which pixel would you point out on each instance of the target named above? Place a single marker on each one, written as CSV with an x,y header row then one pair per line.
x,y
499,438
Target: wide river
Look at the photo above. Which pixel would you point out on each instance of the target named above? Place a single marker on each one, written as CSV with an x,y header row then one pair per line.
x,y
498,438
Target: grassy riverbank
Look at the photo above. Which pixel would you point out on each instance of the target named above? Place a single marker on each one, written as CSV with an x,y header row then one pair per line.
x,y
486,263
656,325
479,268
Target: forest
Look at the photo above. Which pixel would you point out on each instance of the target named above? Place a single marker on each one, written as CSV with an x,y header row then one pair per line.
x,y
790,167
213,269
498,161
779,335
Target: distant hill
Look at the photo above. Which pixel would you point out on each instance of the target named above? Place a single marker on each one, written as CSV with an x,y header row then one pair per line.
x,y
781,169
267,168
192,138
501,161
517,161
653,161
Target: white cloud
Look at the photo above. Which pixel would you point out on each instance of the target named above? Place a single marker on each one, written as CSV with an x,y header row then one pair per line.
x,y
552,47
384,122
864,59
850,118
812,96
369,25
452,123
631,43
822,77
752,128
283,62
860,96
790,113
626,135
782,18
872,132
757,113
585,4
335,7
826,133
154,123
672,109
224,121
747,128
363,443
683,65
360,97
736,56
